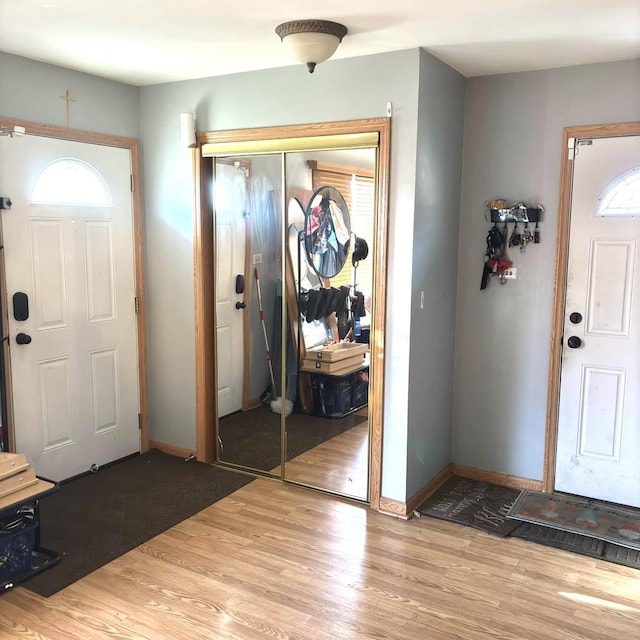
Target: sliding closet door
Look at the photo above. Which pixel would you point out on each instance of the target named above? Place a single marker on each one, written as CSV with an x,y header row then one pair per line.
x,y
330,210
248,307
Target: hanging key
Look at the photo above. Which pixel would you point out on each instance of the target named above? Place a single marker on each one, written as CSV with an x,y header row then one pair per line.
x,y
516,237
527,237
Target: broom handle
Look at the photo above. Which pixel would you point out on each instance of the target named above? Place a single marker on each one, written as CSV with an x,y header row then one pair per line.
x,y
264,330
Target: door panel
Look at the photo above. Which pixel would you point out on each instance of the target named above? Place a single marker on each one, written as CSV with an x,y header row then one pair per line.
x,y
75,385
229,253
599,414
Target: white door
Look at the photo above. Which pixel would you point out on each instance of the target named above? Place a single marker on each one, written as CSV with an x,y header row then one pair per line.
x,y
68,245
599,417
231,205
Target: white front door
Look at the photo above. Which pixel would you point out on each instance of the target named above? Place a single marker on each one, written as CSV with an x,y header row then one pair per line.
x,y
599,416
231,205
68,246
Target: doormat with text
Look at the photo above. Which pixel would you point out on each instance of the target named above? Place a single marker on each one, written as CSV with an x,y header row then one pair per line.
x,y
476,504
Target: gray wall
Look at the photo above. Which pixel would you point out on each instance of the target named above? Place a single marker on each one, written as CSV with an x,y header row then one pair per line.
x,y
31,90
338,90
512,147
435,249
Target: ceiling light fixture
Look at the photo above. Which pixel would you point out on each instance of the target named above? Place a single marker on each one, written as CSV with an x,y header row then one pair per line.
x,y
311,41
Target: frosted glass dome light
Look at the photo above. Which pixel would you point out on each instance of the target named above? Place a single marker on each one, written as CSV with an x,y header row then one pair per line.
x,y
311,41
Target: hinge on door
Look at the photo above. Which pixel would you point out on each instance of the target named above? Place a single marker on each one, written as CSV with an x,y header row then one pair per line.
x,y
581,142
137,304
140,422
133,184
571,148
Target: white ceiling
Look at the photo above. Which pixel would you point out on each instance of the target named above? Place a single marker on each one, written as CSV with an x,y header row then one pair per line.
x,y
144,42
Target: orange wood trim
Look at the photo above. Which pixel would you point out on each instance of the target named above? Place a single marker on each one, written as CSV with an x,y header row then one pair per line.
x,y
204,295
394,508
562,257
429,489
376,371
133,145
171,449
496,477
62,133
405,510
138,232
292,131
557,318
604,130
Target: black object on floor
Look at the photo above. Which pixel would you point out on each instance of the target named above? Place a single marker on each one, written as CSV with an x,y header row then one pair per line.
x,y
475,504
577,543
95,518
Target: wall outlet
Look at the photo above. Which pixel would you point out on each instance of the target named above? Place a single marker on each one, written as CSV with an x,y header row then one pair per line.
x,y
257,258
510,274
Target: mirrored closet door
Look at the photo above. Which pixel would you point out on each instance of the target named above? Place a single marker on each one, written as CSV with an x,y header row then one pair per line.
x,y
295,308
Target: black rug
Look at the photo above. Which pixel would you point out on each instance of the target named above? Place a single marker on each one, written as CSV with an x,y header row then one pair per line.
x,y
476,504
95,518
252,438
577,543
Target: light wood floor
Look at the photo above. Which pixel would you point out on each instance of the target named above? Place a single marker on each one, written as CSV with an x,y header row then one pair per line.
x,y
340,464
275,561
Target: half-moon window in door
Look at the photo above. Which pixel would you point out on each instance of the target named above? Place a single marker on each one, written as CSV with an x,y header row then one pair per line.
x,y
621,197
71,182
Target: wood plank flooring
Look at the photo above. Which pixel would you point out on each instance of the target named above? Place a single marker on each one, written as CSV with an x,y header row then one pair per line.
x,y
278,561
340,464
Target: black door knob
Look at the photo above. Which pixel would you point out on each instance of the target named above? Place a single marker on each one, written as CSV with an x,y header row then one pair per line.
x,y
574,342
23,338
575,318
240,305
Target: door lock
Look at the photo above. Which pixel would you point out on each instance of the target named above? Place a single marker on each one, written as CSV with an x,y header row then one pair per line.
x,y
575,318
240,305
574,342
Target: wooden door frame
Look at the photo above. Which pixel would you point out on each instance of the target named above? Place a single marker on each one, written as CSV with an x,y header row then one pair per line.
x,y
560,289
133,146
205,281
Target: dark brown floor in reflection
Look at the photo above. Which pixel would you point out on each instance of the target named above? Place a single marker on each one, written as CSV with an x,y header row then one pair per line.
x,y
252,438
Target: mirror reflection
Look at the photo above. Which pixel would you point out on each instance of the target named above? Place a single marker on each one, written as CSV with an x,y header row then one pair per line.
x,y
318,425
249,225
327,232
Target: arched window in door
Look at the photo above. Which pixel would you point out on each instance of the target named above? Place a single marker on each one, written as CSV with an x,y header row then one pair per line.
x,y
621,196
71,182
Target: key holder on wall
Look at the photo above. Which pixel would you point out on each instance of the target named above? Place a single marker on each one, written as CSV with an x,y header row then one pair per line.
x,y
501,211
496,262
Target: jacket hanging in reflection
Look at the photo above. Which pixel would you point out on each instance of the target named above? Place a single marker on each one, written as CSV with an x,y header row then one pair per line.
x,y
326,237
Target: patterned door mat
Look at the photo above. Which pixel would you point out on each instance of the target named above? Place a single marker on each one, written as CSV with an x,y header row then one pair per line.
x,y
611,523
475,504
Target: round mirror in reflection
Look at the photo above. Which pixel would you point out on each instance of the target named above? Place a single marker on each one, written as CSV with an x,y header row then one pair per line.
x,y
327,230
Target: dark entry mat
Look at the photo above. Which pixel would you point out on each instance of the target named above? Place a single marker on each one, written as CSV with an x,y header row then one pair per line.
x,y
577,543
476,504
93,519
622,555
560,539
